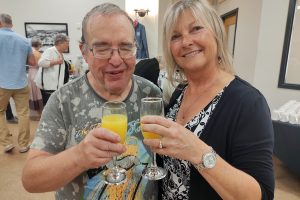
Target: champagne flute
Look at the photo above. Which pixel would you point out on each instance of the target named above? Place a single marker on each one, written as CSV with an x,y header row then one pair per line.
x,y
152,106
114,118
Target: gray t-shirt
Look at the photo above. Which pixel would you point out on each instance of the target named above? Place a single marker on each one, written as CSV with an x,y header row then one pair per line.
x,y
76,107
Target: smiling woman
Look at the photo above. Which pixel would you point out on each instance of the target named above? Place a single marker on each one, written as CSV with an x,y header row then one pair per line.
x,y
290,63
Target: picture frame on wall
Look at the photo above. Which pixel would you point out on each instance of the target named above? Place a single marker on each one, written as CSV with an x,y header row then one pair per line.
x,y
46,32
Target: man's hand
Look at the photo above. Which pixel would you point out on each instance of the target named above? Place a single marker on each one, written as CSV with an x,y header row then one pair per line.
x,y
98,148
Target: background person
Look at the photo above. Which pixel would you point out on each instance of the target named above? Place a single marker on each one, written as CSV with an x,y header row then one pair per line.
x,y
148,69
51,74
35,97
218,140
15,53
10,118
69,156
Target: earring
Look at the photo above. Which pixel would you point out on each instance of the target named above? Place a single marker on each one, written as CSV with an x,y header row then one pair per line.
x,y
219,60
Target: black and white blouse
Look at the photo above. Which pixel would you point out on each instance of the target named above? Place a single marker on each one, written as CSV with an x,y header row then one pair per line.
x,y
176,184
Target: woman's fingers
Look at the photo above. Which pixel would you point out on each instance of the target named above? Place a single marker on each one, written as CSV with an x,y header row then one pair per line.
x,y
156,124
151,119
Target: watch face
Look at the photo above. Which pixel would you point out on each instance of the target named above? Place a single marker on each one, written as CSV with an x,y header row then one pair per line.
x,y
209,160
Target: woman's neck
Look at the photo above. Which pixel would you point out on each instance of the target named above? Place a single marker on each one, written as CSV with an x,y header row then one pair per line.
x,y
215,80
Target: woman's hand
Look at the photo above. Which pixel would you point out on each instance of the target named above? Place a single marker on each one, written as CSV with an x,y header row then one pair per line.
x,y
177,141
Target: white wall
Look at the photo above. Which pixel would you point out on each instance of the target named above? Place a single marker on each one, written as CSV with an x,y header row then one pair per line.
x,y
272,30
259,43
247,33
162,8
54,11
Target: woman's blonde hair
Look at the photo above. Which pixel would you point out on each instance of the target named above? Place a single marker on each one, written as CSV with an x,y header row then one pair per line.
x,y
207,15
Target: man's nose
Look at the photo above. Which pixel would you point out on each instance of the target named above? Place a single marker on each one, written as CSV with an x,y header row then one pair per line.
x,y
115,58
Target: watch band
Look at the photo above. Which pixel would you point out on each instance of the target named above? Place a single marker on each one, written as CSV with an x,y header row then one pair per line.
x,y
210,157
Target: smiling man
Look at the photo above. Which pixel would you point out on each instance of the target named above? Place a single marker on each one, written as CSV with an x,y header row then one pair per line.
x,y
70,151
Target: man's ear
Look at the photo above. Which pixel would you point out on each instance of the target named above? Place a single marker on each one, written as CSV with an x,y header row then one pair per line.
x,y
83,51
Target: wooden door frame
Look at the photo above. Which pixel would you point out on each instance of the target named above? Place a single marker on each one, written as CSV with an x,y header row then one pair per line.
x,y
231,13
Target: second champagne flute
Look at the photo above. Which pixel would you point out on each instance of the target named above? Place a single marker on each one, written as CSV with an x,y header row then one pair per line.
x,y
152,106
114,118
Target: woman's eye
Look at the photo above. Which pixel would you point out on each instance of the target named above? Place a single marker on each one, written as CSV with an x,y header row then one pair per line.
x,y
175,37
197,28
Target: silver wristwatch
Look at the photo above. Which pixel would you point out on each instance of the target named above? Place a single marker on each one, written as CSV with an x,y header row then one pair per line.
x,y
208,161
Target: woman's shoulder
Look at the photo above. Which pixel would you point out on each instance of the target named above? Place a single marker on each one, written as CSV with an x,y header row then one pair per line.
x,y
240,87
242,92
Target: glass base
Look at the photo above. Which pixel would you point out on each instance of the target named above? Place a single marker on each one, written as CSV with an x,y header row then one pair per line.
x,y
112,177
154,173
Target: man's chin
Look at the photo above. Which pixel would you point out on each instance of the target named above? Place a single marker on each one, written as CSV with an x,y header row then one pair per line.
x,y
116,89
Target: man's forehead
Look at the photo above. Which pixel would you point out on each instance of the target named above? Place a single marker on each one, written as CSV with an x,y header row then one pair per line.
x,y
108,18
103,28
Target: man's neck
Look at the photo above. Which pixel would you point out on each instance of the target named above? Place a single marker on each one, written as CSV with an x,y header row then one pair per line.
x,y
7,26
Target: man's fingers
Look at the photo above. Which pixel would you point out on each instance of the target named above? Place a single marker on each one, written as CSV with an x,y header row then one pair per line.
x,y
105,134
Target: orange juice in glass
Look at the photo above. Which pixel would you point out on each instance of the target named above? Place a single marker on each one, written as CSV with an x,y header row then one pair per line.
x,y
149,135
152,106
116,123
114,118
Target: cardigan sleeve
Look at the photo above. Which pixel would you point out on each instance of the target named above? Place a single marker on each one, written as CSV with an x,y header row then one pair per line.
x,y
240,130
253,141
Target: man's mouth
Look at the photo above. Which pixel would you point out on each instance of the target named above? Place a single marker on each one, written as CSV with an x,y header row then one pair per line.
x,y
115,74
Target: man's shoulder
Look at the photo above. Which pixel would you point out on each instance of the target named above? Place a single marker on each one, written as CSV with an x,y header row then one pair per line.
x,y
142,82
146,87
74,86
21,38
15,36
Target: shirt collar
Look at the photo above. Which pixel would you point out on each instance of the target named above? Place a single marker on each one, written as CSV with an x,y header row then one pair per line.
x,y
6,29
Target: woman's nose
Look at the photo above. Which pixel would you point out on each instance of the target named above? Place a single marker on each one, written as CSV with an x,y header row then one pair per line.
x,y
187,40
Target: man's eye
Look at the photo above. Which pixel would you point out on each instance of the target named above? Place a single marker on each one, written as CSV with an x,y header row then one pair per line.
x,y
102,49
126,48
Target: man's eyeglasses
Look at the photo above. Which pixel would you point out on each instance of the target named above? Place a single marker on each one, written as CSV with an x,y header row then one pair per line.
x,y
105,52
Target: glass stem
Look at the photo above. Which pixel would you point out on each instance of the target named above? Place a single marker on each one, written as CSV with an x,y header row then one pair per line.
x,y
153,164
115,167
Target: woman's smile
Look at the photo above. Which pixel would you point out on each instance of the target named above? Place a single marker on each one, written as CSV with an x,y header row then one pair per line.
x,y
192,53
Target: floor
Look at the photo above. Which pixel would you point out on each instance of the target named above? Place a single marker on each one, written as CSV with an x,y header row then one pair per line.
x,y
287,185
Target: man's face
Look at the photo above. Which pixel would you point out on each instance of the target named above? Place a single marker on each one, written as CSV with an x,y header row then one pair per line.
x,y
113,31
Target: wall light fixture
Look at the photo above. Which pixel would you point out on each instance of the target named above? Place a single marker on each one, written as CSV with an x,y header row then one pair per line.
x,y
141,12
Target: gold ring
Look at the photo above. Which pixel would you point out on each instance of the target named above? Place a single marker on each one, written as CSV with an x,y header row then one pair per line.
x,y
160,144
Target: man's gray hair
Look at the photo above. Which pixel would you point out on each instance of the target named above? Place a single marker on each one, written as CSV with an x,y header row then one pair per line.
x,y
102,9
5,18
59,38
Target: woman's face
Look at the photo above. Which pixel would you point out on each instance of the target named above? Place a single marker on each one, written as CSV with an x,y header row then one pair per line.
x,y
192,45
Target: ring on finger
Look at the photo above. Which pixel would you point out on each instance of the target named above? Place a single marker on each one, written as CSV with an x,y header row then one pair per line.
x,y
160,144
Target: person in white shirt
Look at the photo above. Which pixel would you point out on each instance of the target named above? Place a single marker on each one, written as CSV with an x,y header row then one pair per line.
x,y
51,74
